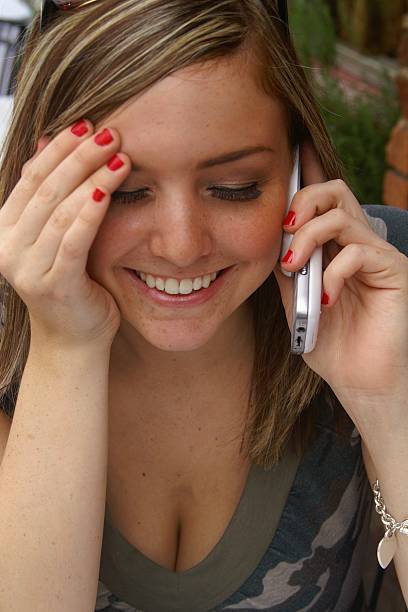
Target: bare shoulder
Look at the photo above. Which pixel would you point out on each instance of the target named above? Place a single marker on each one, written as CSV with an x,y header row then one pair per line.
x,y
5,426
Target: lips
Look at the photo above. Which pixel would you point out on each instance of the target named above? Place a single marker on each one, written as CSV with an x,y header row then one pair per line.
x,y
195,298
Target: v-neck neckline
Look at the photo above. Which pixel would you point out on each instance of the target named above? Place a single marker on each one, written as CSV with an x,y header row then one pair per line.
x,y
141,582
165,570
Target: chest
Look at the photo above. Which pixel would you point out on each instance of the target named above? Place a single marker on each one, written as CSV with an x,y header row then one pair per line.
x,y
174,512
320,521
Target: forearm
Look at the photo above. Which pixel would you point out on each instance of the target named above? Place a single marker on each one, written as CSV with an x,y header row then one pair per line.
x,y
53,483
385,435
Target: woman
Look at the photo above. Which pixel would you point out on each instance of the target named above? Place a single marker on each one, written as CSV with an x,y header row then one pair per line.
x,y
172,446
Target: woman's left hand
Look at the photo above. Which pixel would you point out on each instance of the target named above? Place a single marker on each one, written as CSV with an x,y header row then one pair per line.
x,y
362,342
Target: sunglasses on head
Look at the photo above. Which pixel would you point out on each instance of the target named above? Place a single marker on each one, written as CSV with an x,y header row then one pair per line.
x,y
50,7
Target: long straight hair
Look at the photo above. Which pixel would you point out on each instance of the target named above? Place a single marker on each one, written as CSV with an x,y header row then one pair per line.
x,y
92,60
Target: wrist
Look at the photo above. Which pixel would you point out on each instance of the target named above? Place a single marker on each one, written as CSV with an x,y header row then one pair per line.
x,y
58,350
382,418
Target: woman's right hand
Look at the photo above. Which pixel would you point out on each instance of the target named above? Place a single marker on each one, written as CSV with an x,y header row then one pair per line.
x,y
48,225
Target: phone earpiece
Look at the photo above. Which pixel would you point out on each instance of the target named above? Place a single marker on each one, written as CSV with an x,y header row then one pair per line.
x,y
294,186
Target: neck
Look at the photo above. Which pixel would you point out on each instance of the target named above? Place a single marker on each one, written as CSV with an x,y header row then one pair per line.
x,y
212,380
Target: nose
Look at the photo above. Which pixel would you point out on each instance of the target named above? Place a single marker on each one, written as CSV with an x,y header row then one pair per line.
x,y
181,232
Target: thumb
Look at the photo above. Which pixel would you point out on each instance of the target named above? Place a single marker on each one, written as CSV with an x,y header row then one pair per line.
x,y
42,143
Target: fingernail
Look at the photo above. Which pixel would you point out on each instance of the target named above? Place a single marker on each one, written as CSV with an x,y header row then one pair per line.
x,y
80,128
98,195
115,163
103,138
288,257
325,299
290,219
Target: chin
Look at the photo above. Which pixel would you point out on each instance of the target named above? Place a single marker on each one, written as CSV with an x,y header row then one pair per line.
x,y
177,345
183,336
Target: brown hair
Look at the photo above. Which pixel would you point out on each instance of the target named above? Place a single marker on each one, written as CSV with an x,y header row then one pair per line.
x,y
147,40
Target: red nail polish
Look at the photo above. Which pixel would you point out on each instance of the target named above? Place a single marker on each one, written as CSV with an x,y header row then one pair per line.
x,y
115,163
98,195
80,128
325,299
288,257
290,219
103,138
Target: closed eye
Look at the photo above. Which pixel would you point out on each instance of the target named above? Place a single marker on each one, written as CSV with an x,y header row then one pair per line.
x,y
251,192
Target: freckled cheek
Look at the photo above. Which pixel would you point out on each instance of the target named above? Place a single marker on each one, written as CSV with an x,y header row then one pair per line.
x,y
248,238
258,239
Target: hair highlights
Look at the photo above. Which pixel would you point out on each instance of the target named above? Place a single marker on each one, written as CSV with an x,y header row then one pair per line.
x,y
92,61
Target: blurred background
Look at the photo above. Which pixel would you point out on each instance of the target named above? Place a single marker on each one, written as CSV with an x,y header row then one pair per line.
x,y
355,53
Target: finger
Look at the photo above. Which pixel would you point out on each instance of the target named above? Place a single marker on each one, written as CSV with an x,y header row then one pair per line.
x,y
384,269
84,161
315,200
36,171
335,225
71,229
42,143
71,258
312,169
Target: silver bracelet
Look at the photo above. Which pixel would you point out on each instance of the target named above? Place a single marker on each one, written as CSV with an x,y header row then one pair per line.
x,y
388,545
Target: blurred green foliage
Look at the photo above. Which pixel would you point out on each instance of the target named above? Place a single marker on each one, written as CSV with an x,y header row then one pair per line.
x,y
314,31
360,130
360,126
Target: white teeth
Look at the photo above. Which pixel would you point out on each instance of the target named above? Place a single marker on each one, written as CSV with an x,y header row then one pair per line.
x,y
197,284
186,286
206,281
150,281
174,287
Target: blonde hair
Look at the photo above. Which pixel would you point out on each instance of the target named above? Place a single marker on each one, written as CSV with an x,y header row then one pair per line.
x,y
92,60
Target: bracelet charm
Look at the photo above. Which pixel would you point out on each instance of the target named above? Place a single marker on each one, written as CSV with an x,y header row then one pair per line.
x,y
388,545
386,549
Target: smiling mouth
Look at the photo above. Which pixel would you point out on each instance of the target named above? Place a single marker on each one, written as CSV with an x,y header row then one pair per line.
x,y
172,286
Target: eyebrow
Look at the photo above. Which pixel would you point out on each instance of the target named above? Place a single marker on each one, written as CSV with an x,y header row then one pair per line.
x,y
225,158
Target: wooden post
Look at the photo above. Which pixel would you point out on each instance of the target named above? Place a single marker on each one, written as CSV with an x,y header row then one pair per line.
x,y
370,26
396,178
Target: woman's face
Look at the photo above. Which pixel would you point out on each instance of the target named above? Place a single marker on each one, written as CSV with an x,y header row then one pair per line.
x,y
180,227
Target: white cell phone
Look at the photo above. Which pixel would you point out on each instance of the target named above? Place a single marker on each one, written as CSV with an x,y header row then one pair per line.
x,y
307,292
